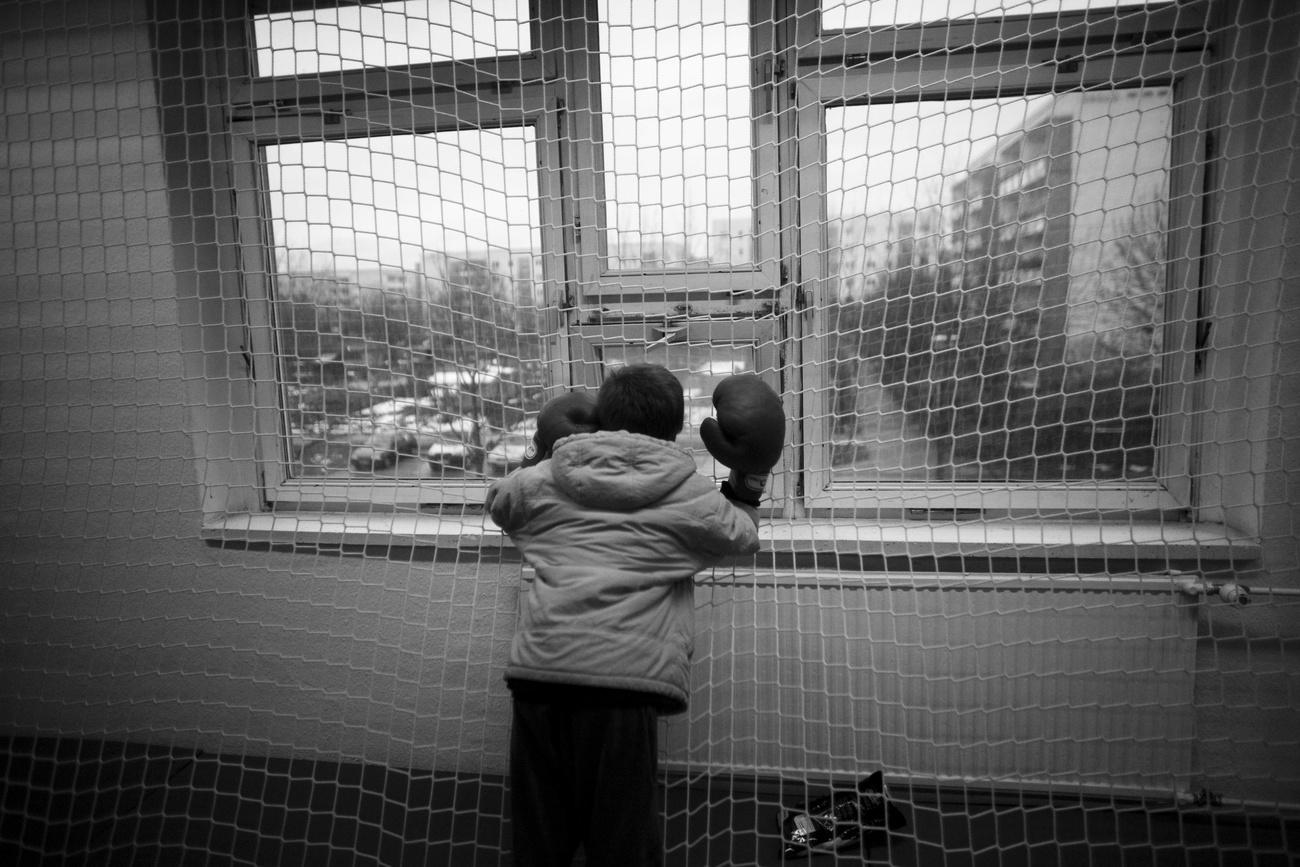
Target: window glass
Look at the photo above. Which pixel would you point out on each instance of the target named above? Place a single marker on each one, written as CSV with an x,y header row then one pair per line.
x,y
675,92
388,34
998,268
404,302
843,14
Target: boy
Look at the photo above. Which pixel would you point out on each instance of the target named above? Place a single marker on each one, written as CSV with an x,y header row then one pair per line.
x,y
616,523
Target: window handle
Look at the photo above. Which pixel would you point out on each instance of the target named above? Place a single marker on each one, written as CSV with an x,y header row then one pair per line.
x,y
667,334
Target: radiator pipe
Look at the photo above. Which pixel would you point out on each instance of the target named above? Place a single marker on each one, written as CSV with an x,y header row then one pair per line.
x,y
1230,592
1156,582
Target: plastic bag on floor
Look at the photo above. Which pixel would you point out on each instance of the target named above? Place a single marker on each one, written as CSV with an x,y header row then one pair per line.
x,y
839,819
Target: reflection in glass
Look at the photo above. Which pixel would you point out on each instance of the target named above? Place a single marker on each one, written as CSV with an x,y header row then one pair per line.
x,y
675,91
404,302
1000,266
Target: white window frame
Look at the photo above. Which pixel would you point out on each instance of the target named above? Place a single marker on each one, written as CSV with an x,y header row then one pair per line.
x,y
716,305
369,102
609,294
588,306
1010,64
796,72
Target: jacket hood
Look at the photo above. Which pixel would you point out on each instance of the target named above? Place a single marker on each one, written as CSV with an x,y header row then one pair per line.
x,y
617,470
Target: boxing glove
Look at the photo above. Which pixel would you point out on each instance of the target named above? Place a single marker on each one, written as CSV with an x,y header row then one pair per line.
x,y
571,413
747,435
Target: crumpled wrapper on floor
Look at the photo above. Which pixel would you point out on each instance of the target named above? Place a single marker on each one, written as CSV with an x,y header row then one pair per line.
x,y
840,819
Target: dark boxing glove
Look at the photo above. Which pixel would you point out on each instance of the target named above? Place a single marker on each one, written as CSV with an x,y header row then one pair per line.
x,y
747,436
571,413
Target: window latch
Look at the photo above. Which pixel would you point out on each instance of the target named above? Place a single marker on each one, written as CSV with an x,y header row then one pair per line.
x,y
773,73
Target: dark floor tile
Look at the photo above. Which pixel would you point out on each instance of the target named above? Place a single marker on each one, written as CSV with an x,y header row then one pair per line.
x,y
103,803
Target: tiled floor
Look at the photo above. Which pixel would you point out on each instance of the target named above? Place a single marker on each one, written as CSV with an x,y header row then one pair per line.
x,y
87,802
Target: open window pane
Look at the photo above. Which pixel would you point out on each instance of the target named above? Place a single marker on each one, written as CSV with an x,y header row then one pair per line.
x,y
406,273
352,36
998,270
845,14
675,94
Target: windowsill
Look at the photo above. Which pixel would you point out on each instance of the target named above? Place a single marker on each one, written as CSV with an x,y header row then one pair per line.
x,y
1020,539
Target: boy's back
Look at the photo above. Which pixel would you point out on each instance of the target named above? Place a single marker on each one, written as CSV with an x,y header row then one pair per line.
x,y
615,524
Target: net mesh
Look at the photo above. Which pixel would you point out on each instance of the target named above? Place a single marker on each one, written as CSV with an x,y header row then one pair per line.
x,y
286,284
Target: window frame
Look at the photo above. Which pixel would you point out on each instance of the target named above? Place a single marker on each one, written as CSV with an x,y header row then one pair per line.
x,y
606,294
1012,56
586,306
412,100
766,305
758,337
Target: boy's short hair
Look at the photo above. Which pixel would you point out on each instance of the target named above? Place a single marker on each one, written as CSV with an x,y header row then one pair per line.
x,y
642,398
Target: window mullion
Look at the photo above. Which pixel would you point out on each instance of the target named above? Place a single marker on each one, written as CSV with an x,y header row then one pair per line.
x,y
1187,244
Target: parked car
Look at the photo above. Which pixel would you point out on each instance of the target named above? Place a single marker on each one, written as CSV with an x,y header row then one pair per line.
x,y
383,447
320,456
507,452
446,452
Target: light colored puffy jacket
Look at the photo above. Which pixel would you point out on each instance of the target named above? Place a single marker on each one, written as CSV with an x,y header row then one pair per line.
x,y
616,526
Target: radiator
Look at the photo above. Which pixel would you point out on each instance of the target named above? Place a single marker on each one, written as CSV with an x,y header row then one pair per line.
x,y
1009,681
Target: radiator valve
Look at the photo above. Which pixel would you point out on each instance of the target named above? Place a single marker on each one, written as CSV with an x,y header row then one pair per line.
x,y
1233,594
1203,798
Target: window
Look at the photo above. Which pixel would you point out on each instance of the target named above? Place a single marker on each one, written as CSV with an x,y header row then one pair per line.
x,y
338,37
676,216
674,98
964,253
841,14
996,308
402,230
975,349
417,334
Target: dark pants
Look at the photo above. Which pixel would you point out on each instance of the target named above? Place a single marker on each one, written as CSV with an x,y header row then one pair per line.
x,y
583,771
